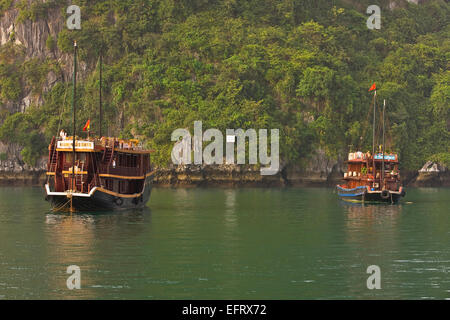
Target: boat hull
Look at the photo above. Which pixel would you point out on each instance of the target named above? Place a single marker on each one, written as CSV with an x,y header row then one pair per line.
x,y
363,194
99,199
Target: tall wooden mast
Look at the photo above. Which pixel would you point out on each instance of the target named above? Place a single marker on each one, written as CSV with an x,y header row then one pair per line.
x,y
373,138
100,93
74,110
73,184
382,149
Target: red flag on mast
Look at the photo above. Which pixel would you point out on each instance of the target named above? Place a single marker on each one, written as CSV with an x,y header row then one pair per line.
x,y
87,125
373,87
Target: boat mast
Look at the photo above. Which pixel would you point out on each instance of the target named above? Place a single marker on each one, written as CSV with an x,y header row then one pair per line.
x,y
74,109
382,148
373,140
100,106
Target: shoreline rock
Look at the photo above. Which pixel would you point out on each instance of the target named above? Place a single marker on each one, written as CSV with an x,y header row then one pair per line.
x,y
432,174
23,178
320,172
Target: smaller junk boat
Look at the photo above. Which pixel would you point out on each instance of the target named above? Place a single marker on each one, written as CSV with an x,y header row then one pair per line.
x,y
96,173
363,183
372,177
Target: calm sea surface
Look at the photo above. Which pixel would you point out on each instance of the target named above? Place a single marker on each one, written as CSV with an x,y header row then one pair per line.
x,y
228,244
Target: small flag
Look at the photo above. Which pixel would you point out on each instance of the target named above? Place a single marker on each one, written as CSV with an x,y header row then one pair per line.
x,y
87,125
373,87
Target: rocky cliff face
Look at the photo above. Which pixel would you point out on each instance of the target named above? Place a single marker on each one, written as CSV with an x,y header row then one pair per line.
x,y
318,171
12,172
32,36
216,175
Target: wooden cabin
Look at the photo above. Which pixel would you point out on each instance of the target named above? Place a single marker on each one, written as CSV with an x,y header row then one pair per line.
x,y
117,167
361,171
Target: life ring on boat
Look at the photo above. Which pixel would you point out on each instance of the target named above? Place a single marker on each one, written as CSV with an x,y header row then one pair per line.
x,y
118,201
385,194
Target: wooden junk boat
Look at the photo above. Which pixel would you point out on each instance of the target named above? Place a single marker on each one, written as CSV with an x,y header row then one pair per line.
x,y
364,184
372,177
96,173
102,173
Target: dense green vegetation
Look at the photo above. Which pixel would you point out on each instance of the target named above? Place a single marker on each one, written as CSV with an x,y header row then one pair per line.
x,y
303,66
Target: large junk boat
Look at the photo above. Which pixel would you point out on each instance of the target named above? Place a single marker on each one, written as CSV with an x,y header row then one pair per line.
x,y
96,173
372,177
105,173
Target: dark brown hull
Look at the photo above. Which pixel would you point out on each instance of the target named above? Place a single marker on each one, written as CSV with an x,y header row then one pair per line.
x,y
101,200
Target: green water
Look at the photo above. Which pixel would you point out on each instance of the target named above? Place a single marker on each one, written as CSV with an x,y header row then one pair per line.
x,y
228,244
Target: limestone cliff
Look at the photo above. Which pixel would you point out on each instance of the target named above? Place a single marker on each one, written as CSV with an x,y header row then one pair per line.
x,y
30,39
31,36
34,38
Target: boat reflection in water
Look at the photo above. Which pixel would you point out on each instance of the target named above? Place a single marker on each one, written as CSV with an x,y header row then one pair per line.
x,y
83,240
372,233
372,227
365,215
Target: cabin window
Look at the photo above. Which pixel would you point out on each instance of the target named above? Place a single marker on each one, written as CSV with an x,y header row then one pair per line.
x,y
128,161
